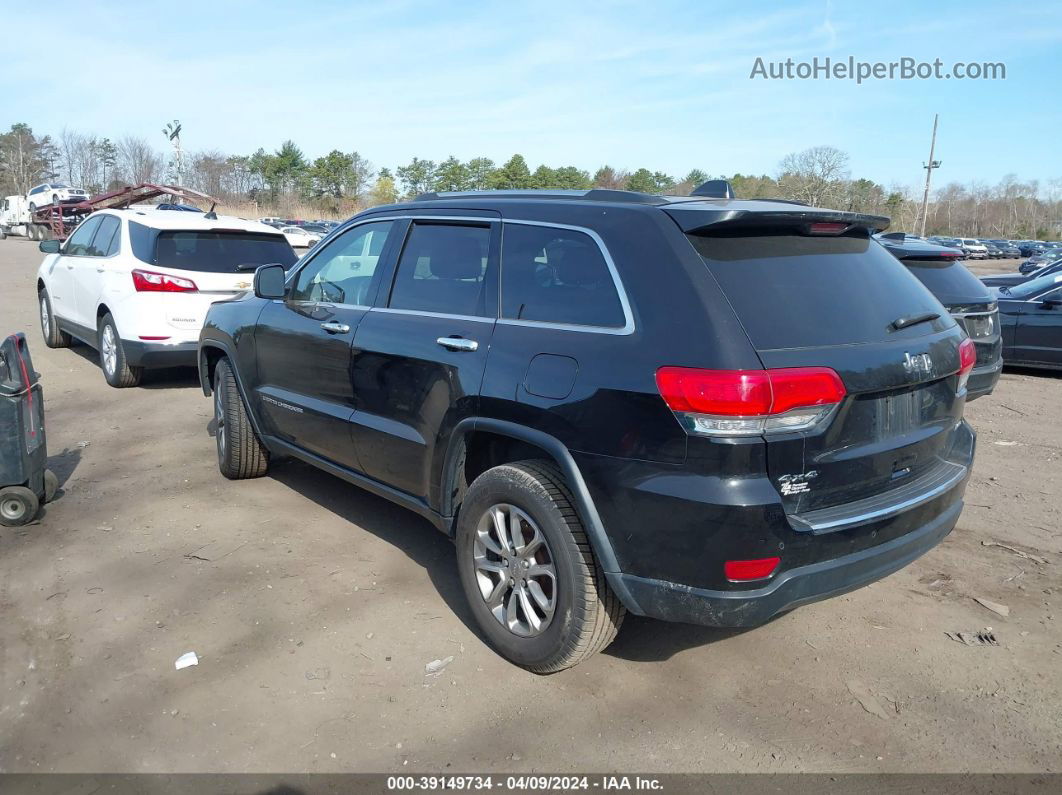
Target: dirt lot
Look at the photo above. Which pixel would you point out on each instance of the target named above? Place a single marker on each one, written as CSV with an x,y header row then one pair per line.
x,y
314,608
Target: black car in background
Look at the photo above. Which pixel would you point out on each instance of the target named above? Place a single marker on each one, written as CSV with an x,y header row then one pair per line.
x,y
1007,250
695,408
968,300
1031,316
1011,279
1040,260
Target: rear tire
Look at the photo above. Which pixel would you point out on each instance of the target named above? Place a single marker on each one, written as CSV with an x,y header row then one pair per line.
x,y
116,369
564,613
18,506
51,485
54,337
240,454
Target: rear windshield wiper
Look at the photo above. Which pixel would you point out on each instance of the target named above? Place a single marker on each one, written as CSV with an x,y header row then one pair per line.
x,y
253,266
912,320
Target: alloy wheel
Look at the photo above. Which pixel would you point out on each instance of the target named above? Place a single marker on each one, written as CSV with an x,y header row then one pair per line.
x,y
515,570
46,325
12,509
109,349
219,421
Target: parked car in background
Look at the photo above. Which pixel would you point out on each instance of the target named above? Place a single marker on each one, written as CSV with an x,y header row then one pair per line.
x,y
1007,250
1011,279
136,284
1031,314
994,251
316,229
54,193
974,249
949,242
969,301
299,237
1030,247
1039,260
771,414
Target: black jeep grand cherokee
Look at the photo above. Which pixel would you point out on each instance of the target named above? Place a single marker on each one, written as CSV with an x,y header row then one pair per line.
x,y
696,409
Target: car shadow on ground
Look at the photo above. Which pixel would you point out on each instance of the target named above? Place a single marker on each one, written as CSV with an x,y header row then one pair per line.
x,y
161,378
400,527
643,639
640,639
1043,372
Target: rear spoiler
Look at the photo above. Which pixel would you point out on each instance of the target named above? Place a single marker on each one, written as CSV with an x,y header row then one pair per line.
x,y
701,221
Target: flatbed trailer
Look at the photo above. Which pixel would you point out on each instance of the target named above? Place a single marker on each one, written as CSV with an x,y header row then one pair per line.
x,y
57,221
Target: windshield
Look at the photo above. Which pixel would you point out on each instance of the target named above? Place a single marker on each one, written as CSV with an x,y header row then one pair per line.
x,y
1035,286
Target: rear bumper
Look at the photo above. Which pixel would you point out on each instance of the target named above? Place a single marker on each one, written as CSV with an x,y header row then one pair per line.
x,y
671,601
155,355
983,380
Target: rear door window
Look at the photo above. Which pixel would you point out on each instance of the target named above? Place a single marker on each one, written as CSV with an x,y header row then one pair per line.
x,y
443,268
796,291
220,251
554,275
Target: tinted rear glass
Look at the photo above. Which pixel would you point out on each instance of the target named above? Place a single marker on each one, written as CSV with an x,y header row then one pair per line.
x,y
795,291
949,281
209,251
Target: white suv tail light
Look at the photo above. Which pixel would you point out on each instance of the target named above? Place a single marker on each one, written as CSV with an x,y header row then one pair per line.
x,y
152,282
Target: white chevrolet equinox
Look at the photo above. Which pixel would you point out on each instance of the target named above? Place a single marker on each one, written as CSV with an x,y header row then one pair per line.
x,y
136,283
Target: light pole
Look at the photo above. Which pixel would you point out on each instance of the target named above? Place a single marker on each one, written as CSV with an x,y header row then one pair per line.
x,y
173,132
929,175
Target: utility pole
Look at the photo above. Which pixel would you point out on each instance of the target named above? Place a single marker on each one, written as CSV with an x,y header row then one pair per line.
x,y
929,175
173,132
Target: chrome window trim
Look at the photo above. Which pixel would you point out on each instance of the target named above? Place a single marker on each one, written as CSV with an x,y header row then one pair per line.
x,y
393,311
628,316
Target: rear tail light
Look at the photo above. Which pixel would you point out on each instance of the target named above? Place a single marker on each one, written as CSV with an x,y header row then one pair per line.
x,y
967,359
151,282
750,402
743,570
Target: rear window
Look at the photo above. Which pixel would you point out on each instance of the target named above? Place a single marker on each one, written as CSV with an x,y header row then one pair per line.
x,y
795,291
209,251
949,281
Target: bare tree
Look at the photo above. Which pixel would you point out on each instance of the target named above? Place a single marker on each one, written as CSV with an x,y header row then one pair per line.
x,y
815,176
138,161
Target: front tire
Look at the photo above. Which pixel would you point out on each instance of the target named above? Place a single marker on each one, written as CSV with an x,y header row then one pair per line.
x,y
18,506
116,369
528,571
54,337
240,454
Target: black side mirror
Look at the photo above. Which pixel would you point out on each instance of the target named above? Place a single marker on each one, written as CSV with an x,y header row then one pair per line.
x,y
269,281
50,246
1051,303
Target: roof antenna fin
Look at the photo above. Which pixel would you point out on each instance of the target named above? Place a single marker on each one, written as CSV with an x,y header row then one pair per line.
x,y
714,189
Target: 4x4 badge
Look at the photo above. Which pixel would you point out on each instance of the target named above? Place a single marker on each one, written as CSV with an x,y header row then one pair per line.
x,y
797,484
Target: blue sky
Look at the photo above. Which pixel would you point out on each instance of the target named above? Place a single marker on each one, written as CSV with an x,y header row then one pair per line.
x,y
664,85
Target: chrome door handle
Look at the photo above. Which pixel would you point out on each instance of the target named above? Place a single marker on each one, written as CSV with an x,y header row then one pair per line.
x,y
458,343
333,327
100,270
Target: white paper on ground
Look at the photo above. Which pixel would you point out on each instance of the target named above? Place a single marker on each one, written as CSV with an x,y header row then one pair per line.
x,y
186,659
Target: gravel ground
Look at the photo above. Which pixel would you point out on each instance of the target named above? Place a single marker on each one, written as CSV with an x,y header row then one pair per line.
x,y
314,609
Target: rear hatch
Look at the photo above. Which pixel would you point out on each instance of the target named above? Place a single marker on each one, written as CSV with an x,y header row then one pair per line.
x,y
841,301
206,265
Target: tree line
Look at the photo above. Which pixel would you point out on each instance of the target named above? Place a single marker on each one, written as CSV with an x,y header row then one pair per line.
x,y
340,183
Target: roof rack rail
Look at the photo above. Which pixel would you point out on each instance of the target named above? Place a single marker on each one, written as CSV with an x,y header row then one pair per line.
x,y
595,194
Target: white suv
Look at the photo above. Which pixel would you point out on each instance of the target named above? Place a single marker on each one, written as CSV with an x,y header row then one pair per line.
x,y
136,284
53,193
